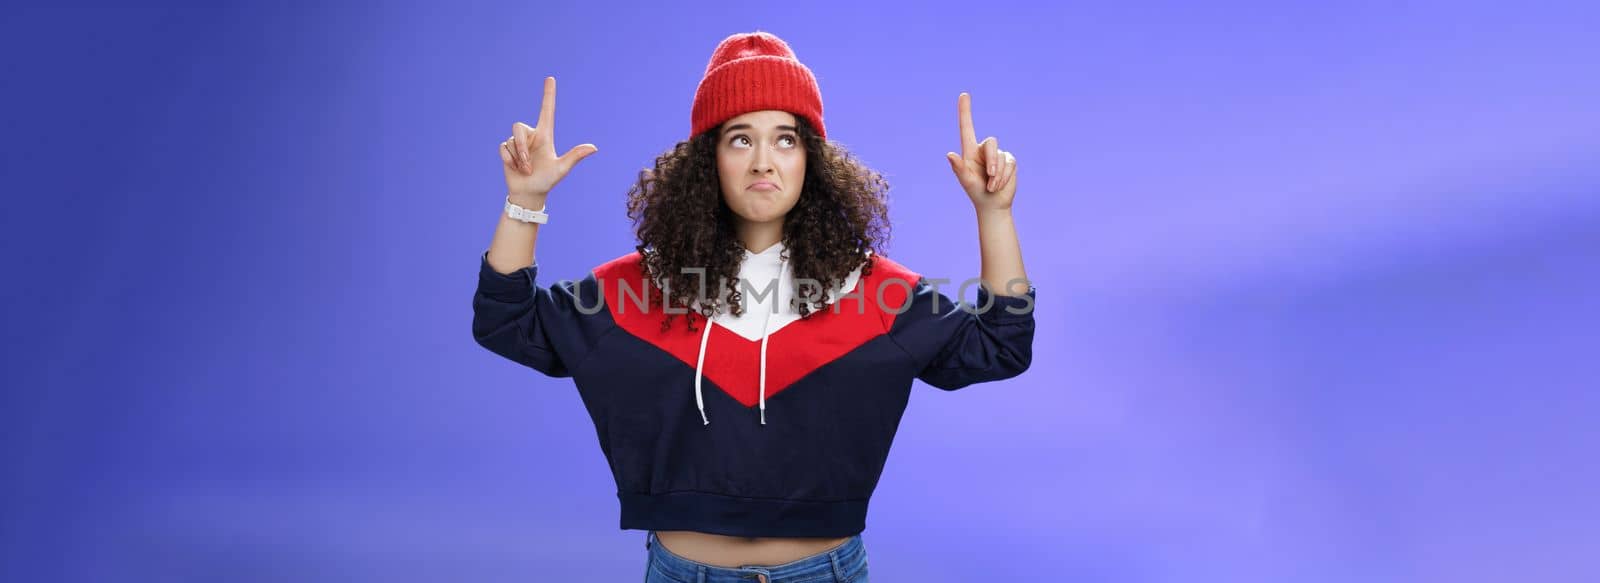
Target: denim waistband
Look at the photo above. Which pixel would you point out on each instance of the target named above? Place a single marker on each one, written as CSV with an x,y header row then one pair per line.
x,y
840,563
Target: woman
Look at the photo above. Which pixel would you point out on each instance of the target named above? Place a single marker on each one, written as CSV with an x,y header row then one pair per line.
x,y
758,268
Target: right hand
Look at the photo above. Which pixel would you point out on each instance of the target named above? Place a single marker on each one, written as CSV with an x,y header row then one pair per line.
x,y
529,155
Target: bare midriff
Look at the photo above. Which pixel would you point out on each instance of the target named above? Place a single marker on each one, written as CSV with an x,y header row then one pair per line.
x,y
740,551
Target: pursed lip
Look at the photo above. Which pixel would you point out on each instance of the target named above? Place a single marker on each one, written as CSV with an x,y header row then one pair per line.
x,y
759,184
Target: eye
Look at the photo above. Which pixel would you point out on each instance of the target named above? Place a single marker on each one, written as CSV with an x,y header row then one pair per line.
x,y
793,141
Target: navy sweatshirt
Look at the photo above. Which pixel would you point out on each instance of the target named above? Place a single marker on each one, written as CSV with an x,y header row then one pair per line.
x,y
763,425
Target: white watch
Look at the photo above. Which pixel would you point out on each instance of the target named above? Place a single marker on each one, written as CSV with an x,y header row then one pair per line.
x,y
526,215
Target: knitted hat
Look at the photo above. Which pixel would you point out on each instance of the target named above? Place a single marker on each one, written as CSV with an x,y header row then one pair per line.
x,y
751,72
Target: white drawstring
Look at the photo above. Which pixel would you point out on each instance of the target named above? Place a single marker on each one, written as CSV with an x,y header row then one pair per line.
x,y
700,361
764,368
765,327
699,364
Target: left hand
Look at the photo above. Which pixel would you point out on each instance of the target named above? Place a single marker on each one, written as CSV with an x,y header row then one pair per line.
x,y
987,173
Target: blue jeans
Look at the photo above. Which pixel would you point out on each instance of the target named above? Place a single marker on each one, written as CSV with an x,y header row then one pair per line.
x,y
846,563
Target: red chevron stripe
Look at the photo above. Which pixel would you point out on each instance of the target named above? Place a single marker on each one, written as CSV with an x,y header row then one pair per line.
x,y
733,362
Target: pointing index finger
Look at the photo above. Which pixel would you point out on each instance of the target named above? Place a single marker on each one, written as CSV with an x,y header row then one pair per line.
x,y
547,108
969,140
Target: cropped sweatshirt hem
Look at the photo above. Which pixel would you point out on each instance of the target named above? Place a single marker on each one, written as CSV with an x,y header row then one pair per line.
x,y
738,516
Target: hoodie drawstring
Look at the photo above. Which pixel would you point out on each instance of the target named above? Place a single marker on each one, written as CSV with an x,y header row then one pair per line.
x,y
766,326
699,364
705,337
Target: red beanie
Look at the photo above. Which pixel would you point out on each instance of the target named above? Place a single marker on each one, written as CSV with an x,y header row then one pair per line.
x,y
751,72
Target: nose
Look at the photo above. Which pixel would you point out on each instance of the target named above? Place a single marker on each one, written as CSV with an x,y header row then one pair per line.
x,y
762,161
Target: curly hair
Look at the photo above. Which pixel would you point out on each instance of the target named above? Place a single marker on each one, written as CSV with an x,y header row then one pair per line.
x,y
681,221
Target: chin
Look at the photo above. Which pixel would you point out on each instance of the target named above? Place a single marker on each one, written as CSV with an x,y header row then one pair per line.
x,y
761,217
763,213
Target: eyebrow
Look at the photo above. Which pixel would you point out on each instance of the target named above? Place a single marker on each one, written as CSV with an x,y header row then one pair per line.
x,y
745,126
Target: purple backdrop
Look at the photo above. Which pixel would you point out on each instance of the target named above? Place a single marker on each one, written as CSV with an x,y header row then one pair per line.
x,y
1315,286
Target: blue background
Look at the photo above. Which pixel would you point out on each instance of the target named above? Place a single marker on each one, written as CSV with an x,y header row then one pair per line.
x,y
1316,285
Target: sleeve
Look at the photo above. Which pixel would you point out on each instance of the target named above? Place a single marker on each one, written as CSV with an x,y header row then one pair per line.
x,y
958,344
546,329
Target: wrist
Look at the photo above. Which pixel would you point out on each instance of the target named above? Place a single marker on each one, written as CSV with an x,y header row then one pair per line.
x,y
993,213
531,201
526,214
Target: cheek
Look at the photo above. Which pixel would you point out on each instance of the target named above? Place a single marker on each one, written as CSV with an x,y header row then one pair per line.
x,y
727,172
795,168
798,179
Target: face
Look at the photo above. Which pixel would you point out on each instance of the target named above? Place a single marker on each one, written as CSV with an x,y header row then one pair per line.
x,y
762,165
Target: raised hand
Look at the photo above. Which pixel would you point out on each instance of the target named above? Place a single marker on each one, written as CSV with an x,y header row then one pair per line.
x,y
529,155
986,172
